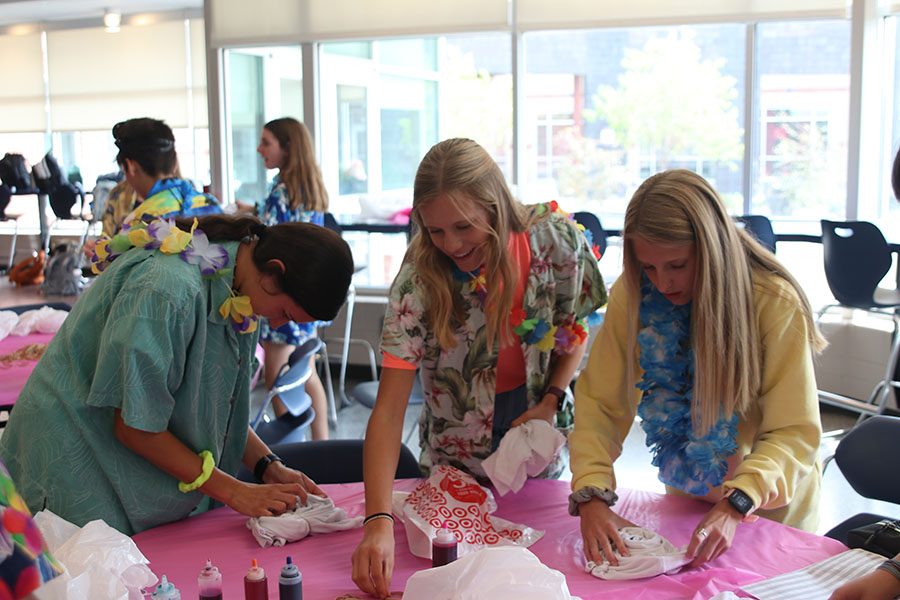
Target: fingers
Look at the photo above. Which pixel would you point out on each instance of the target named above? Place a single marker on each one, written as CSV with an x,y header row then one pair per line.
x,y
312,488
372,572
706,545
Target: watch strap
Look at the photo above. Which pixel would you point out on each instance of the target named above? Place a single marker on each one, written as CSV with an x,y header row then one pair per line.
x,y
740,501
560,395
263,463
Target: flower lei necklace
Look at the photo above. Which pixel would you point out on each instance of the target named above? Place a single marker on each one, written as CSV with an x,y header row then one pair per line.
x,y
193,247
690,463
564,338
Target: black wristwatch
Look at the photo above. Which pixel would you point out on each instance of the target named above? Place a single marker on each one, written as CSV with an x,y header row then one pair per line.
x,y
560,396
740,501
263,463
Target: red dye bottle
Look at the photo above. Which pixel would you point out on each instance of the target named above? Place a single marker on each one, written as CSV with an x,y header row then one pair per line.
x,y
256,586
443,547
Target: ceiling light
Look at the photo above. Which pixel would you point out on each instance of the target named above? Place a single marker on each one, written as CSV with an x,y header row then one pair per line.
x,y
111,20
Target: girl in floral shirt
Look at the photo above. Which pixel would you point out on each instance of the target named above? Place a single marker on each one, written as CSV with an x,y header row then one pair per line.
x,y
298,195
489,306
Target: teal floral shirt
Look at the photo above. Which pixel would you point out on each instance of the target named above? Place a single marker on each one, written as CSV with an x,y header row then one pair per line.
x,y
147,339
564,284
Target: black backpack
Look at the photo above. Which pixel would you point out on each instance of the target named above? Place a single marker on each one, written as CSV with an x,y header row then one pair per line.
x,y
50,180
15,174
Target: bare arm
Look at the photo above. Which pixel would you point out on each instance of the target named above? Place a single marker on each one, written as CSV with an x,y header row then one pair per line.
x,y
561,373
373,560
168,453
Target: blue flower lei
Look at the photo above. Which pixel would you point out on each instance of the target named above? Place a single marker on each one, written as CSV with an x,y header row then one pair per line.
x,y
690,463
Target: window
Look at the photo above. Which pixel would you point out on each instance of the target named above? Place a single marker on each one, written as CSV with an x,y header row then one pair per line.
x,y
888,205
384,103
261,84
604,109
804,92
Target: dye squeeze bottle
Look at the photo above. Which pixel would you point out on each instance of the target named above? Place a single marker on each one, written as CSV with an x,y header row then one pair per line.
x,y
210,582
256,586
443,547
290,582
165,591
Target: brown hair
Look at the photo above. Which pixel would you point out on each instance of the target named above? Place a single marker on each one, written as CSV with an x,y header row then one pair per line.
x,y
299,172
680,207
452,171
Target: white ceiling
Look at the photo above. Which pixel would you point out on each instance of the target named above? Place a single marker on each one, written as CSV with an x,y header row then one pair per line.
x,y
14,12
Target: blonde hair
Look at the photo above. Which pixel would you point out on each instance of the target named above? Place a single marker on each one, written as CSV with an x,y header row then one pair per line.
x,y
680,207
458,171
299,172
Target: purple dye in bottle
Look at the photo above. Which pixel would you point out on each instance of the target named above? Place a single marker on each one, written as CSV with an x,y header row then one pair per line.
x,y
443,547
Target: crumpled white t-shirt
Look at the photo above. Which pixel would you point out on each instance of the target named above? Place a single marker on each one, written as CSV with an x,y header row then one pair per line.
x,y
318,515
525,451
651,555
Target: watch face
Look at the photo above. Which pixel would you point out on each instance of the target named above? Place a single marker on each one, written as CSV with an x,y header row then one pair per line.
x,y
740,501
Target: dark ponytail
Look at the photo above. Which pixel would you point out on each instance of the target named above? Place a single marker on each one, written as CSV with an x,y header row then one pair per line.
x,y
318,262
150,143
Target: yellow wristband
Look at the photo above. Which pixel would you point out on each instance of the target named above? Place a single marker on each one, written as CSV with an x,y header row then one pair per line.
x,y
208,465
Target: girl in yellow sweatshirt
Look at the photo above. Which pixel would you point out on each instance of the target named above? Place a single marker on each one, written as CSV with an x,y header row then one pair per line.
x,y
710,340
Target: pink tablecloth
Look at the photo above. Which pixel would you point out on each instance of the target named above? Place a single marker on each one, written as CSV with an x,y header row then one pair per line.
x,y
13,377
760,549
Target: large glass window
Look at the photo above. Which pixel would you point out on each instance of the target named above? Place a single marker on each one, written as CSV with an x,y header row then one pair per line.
x,y
384,103
261,84
803,96
604,109
890,222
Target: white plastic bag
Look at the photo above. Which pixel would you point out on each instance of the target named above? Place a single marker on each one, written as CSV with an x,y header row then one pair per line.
x,y
499,573
41,320
99,561
8,320
453,499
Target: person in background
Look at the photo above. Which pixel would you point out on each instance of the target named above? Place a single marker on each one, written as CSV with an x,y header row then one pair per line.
x,y
147,382
710,340
884,582
298,195
490,304
147,156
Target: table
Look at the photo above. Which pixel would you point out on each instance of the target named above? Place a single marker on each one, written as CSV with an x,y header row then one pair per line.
x,y
761,550
13,378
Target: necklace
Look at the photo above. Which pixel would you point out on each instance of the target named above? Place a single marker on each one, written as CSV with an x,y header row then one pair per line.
x,y
691,463
193,247
562,338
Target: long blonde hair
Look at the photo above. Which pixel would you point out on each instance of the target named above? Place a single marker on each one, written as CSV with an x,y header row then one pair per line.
x,y
300,172
680,207
458,170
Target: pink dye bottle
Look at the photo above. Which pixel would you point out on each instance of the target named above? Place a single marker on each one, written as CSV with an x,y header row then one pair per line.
x,y
443,547
256,586
210,582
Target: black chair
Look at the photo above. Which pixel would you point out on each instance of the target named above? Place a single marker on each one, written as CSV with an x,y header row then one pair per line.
x,y
289,387
26,307
857,258
591,223
759,227
866,459
335,461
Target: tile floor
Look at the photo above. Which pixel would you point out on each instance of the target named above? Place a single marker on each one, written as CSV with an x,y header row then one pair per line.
x,y
633,469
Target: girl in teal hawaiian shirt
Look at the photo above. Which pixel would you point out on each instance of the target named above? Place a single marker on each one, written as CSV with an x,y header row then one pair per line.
x,y
490,306
138,411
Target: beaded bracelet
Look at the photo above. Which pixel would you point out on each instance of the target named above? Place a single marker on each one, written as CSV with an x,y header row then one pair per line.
x,y
208,465
378,515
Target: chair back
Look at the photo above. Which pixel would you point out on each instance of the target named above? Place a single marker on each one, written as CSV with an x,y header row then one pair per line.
x,y
339,461
760,227
332,224
857,257
866,458
591,224
289,387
